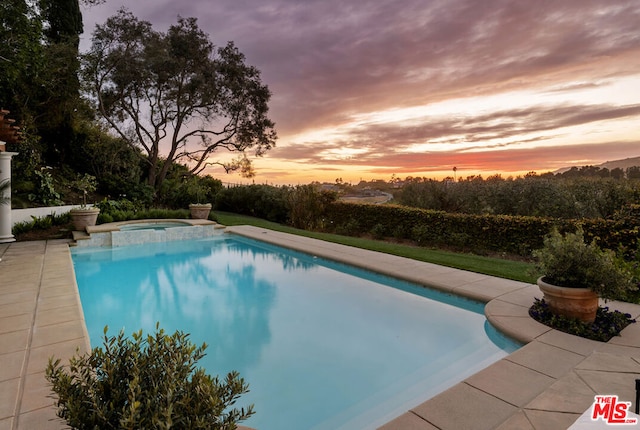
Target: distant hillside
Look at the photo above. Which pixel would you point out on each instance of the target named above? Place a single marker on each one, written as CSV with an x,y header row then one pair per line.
x,y
622,164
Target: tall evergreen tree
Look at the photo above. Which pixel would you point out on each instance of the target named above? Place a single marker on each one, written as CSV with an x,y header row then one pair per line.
x,y
63,26
21,56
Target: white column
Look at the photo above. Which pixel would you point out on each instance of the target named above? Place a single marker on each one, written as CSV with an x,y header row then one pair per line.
x,y
5,209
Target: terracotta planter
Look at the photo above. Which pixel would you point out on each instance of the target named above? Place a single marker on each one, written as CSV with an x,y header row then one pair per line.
x,y
84,217
579,303
200,211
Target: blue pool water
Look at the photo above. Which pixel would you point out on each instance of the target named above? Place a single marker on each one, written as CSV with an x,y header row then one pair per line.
x,y
321,344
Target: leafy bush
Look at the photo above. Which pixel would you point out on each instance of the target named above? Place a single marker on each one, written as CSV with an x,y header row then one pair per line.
x,y
186,189
606,325
45,191
348,228
501,233
40,223
378,231
532,195
568,261
307,205
109,206
262,201
145,382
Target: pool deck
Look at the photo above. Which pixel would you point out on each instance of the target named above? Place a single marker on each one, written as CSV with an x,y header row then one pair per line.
x,y
547,384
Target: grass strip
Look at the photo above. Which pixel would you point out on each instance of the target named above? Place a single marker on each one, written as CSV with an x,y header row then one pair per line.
x,y
503,268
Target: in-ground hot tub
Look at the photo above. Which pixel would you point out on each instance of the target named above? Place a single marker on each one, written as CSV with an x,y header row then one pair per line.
x,y
152,225
148,230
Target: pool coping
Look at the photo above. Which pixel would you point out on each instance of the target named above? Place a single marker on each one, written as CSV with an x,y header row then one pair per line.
x,y
546,384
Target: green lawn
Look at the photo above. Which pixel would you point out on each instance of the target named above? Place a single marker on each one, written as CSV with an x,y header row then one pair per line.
x,y
510,269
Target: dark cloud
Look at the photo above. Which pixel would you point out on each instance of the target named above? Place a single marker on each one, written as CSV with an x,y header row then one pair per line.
x,y
379,141
323,58
328,60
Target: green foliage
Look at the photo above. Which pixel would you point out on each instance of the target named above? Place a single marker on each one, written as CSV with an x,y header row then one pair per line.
x,y
117,167
5,186
379,231
110,206
568,261
149,85
606,325
307,206
349,227
510,234
183,189
41,223
147,382
262,201
22,66
124,210
85,184
532,195
45,192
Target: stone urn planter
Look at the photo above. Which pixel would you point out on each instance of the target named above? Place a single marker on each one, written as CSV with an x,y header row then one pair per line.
x,y
581,303
200,210
84,217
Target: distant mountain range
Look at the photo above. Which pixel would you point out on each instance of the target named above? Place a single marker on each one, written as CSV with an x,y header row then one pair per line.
x,y
621,164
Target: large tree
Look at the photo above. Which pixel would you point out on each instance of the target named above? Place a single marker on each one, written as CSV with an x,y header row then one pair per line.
x,y
60,98
21,55
175,95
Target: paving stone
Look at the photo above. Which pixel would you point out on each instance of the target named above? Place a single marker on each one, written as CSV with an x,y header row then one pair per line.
x,y
604,362
13,341
517,421
522,297
547,359
629,336
570,342
6,424
39,357
8,396
408,421
37,392
15,323
55,333
542,420
464,407
621,384
59,315
523,328
11,365
499,307
569,394
41,419
11,309
522,385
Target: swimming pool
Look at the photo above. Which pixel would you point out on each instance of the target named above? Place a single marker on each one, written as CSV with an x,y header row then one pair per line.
x,y
322,345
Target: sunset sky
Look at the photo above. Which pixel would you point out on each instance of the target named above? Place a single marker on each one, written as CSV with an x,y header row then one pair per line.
x,y
375,88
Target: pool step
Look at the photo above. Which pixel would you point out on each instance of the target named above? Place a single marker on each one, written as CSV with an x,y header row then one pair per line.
x,y
79,235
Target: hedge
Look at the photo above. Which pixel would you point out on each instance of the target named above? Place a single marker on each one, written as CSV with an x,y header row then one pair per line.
x,y
497,233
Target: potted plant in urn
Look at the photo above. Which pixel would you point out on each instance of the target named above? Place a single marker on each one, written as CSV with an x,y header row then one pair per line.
x,y
575,274
84,216
198,210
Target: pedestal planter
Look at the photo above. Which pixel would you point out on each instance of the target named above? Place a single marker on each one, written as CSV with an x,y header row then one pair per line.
x,y
84,217
200,210
581,303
